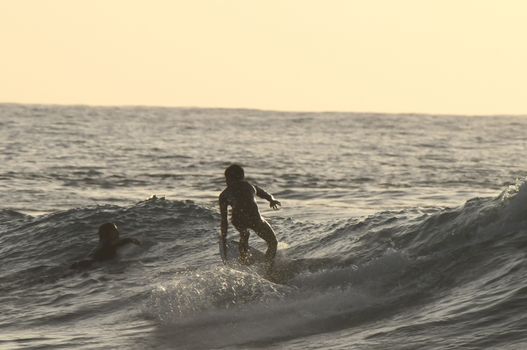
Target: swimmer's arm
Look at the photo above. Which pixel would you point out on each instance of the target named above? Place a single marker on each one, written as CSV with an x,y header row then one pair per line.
x,y
96,253
83,264
92,257
127,240
273,203
104,252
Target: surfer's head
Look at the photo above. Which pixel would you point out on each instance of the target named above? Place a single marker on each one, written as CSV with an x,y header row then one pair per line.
x,y
108,232
233,173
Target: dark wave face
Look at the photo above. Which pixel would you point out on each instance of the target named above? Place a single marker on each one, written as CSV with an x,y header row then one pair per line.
x,y
424,277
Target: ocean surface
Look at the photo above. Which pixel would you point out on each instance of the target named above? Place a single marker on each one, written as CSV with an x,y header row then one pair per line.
x,y
396,231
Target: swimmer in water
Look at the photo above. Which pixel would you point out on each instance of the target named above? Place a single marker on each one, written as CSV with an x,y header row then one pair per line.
x,y
240,195
109,242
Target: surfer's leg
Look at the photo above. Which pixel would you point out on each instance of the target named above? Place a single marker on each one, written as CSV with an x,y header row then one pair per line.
x,y
244,245
265,232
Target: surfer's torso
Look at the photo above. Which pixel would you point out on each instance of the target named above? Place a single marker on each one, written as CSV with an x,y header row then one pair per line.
x,y
240,195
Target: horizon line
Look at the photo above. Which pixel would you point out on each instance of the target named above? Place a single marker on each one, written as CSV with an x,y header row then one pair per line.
x,y
293,111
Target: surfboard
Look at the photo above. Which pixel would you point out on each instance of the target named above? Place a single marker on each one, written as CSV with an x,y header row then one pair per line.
x,y
283,269
231,253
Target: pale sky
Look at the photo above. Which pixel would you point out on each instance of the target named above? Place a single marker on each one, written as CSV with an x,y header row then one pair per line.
x,y
430,56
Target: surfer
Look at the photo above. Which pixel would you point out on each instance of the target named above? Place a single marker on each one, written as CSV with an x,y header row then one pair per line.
x,y
109,242
240,195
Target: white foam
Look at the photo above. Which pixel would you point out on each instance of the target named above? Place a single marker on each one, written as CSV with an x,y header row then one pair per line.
x,y
224,307
291,314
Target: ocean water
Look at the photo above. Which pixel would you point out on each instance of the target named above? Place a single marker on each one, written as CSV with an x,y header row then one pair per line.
x,y
396,231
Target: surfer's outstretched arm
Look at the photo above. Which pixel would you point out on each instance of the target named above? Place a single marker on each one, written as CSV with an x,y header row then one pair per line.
x,y
273,203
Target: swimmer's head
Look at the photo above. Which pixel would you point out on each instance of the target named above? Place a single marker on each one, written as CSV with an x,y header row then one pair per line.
x,y
233,173
108,232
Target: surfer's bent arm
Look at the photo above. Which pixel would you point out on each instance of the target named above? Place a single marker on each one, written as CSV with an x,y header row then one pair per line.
x,y
223,213
224,226
273,203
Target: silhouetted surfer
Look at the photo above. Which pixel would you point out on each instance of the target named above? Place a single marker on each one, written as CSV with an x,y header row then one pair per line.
x,y
240,195
109,242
